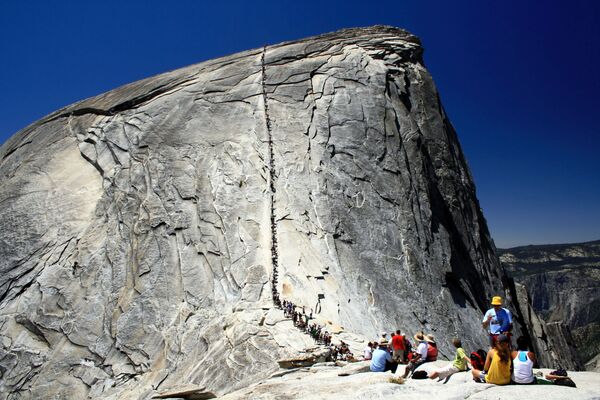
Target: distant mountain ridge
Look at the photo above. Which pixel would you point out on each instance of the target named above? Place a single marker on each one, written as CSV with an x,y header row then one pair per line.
x,y
563,281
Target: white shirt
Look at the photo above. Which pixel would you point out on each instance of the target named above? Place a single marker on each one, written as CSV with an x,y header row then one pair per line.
x,y
422,350
523,368
368,353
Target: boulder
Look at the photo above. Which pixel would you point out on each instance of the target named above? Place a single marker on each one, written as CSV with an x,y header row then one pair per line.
x,y
189,392
305,360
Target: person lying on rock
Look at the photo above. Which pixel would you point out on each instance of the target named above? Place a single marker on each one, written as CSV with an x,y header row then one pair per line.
x,y
523,361
382,359
459,364
418,357
497,364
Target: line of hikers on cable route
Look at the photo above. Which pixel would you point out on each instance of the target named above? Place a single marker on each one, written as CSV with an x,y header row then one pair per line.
x,y
502,364
301,320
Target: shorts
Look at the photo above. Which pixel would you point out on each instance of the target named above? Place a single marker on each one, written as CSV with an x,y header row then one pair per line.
x,y
447,371
482,376
412,365
399,355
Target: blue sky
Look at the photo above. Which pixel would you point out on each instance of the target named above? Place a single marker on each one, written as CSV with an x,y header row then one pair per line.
x,y
520,80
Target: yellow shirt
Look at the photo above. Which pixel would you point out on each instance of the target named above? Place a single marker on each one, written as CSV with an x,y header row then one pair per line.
x,y
499,373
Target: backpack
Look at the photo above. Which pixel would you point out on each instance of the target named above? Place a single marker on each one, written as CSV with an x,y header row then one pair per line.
x,y
478,359
559,372
566,381
419,374
432,352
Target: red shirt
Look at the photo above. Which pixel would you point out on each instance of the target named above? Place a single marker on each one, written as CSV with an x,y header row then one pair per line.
x,y
398,342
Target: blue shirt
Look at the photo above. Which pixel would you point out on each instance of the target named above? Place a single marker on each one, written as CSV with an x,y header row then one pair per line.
x,y
500,321
379,358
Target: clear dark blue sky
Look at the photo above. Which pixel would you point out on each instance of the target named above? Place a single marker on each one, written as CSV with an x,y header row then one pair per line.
x,y
519,79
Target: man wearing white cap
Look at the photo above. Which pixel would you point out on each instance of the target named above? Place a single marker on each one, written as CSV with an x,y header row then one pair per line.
x,y
497,320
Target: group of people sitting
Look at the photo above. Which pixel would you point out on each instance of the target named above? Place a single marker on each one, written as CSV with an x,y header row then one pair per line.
x,y
497,368
386,356
503,364
341,352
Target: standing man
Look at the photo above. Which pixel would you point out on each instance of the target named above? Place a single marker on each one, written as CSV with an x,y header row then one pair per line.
x,y
398,347
497,320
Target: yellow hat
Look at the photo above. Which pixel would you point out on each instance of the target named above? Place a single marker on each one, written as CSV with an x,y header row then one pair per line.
x,y
496,301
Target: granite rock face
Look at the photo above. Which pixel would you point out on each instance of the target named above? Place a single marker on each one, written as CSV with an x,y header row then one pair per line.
x,y
552,341
141,228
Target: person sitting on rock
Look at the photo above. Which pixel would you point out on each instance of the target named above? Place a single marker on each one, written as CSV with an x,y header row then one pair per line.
x,y
334,353
368,352
432,350
418,357
523,361
497,320
459,364
382,359
344,352
497,364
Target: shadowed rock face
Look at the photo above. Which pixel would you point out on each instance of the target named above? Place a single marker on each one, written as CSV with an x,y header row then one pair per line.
x,y
140,228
